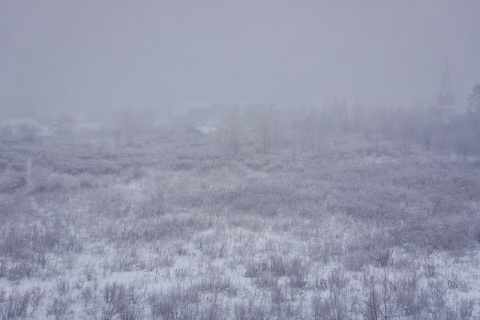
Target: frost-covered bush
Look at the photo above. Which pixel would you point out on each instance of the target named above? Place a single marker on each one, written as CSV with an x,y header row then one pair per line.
x,y
333,307
215,283
26,250
21,270
251,309
125,261
267,272
297,273
180,302
121,301
255,197
58,308
41,180
337,280
12,181
17,305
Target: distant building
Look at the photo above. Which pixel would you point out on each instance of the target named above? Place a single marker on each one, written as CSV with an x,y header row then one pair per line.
x,y
445,106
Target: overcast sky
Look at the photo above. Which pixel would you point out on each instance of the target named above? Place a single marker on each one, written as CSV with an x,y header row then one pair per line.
x,y
104,54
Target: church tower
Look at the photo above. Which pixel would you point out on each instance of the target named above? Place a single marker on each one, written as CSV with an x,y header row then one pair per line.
x,y
445,107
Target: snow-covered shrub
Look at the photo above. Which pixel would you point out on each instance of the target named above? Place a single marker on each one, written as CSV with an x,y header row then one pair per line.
x,y
356,260
408,295
380,297
252,309
337,280
465,308
278,266
63,286
265,280
177,303
121,301
133,173
297,273
110,203
265,273
264,200
12,181
125,261
41,180
3,269
21,270
58,309
430,270
88,296
27,249
211,246
333,307
17,305
152,204
214,311
215,283
14,306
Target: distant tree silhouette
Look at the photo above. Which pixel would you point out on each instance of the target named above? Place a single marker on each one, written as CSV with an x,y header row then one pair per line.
x,y
474,114
474,100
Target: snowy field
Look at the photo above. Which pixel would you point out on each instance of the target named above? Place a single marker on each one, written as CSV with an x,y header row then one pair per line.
x,y
178,229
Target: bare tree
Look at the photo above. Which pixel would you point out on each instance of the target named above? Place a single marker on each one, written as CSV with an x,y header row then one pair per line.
x,y
234,129
462,138
474,114
474,100
407,132
260,118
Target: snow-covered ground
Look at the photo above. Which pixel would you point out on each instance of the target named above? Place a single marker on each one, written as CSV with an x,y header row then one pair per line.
x,y
170,230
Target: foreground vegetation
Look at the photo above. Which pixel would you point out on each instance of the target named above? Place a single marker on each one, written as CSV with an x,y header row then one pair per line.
x,y
177,228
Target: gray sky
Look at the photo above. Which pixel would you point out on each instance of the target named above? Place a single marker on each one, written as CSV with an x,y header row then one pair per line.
x,y
104,54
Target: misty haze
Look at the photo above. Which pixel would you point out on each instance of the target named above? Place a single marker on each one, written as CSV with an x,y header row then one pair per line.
x,y
227,159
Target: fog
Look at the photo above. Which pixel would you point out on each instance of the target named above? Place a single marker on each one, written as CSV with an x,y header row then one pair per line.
x,y
240,159
98,56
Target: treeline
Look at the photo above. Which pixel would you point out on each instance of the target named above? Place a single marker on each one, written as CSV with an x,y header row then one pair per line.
x,y
308,129
300,129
